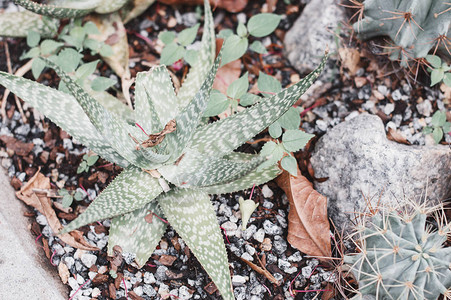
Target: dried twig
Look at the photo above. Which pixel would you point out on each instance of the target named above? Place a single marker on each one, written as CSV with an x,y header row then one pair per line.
x,y
20,72
261,270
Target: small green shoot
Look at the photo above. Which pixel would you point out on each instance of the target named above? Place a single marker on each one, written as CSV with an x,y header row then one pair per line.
x,y
235,45
70,196
67,53
439,70
176,46
438,127
86,163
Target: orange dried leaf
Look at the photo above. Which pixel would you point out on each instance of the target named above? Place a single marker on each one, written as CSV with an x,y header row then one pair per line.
x,y
397,136
350,59
227,74
308,224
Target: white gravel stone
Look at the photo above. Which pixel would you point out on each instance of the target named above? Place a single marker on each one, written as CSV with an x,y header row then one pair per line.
x,y
267,192
247,256
389,108
184,293
73,283
88,259
95,292
230,228
41,219
271,228
259,236
238,280
138,290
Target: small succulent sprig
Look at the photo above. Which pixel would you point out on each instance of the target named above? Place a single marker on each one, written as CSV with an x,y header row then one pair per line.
x,y
66,53
440,71
176,46
235,45
70,196
87,162
178,160
400,255
439,126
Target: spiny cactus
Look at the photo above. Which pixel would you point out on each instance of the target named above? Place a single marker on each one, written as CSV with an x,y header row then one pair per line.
x,y
415,26
44,18
401,256
193,159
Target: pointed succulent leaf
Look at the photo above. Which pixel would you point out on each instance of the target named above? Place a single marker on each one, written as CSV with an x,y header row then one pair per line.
x,y
160,91
138,232
234,47
196,170
56,11
64,111
205,59
191,214
187,36
18,24
263,24
189,118
224,136
132,189
115,130
256,177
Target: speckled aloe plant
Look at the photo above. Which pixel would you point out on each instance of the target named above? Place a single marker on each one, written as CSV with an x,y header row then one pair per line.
x,y
400,256
44,18
414,26
194,159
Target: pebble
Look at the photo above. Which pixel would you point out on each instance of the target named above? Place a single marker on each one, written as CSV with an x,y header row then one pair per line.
x,y
271,229
259,236
91,275
249,232
322,125
249,249
69,261
73,283
149,291
230,228
129,257
41,219
160,274
225,210
67,144
389,108
138,290
184,293
88,259
383,90
268,204
23,130
279,244
296,257
267,192
425,108
95,292
247,256
396,95
238,280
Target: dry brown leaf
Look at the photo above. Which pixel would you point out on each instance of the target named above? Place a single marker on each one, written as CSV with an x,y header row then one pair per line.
x,y
397,136
26,194
44,205
167,260
227,74
350,59
308,224
271,5
229,5
63,271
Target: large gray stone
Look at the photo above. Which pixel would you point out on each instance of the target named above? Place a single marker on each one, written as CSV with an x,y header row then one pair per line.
x,y
359,160
306,41
25,273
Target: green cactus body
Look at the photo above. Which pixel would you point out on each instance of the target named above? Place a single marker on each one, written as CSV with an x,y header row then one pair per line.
x,y
401,258
414,26
193,158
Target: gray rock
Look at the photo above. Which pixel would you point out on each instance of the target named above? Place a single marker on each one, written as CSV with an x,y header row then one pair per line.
x,y
357,158
160,274
267,192
271,228
279,244
238,280
88,259
306,41
184,293
259,236
249,232
425,108
149,290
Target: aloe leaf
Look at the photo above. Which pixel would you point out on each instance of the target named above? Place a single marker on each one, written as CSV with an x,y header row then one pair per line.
x,y
64,111
132,189
113,104
188,120
18,24
221,137
256,177
205,59
191,214
160,91
115,130
134,8
56,11
138,232
109,6
195,169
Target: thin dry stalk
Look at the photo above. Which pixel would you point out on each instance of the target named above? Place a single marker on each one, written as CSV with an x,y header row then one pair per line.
x,y
20,72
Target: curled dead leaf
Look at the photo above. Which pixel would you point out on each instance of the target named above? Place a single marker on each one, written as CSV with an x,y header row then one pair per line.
x,y
63,271
397,136
350,59
308,224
